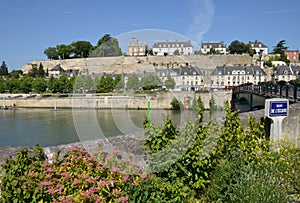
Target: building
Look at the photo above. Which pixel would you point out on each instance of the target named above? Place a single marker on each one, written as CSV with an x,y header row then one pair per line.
x,y
259,47
230,76
173,48
287,73
217,46
292,55
56,71
136,48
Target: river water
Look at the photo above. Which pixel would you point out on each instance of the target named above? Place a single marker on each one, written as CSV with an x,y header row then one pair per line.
x,y
27,127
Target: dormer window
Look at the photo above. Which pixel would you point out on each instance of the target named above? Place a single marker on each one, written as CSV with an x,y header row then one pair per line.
x,y
194,73
185,73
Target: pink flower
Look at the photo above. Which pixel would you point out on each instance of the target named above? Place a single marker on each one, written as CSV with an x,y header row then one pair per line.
x,y
45,183
100,167
101,183
113,169
89,180
111,181
49,170
144,176
51,191
125,177
116,191
93,190
117,150
31,174
124,199
75,182
73,148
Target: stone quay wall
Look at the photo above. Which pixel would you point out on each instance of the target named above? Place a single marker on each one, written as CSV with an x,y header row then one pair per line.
x,y
157,100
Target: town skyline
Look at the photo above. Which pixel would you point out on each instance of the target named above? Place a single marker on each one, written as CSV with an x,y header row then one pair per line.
x,y
32,26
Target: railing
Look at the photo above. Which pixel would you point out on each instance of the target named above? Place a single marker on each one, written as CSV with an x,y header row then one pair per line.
x,y
288,91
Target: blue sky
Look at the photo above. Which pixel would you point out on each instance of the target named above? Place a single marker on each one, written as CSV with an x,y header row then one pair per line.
x,y
28,27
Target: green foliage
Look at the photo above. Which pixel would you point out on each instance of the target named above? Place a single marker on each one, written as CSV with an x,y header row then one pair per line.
x,y
3,69
175,104
107,46
106,84
119,83
237,47
279,48
39,85
176,52
51,53
64,51
81,49
150,82
212,104
268,63
133,82
170,82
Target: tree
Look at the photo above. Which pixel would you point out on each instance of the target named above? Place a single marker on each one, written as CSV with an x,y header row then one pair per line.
x,y
176,52
26,84
170,82
120,85
104,39
51,53
2,85
279,48
3,69
64,51
85,82
150,82
81,49
237,47
107,47
15,73
39,85
133,82
106,84
40,71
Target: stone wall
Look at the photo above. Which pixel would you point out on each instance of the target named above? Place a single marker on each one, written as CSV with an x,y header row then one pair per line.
x,y
157,100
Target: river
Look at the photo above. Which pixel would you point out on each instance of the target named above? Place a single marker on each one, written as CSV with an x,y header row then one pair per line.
x,y
27,127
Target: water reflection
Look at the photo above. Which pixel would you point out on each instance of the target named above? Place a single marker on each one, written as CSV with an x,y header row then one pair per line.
x,y
27,127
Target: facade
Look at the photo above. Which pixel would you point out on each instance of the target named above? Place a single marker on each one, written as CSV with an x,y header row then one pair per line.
x,y
230,76
136,48
287,73
56,71
259,47
292,55
171,47
217,46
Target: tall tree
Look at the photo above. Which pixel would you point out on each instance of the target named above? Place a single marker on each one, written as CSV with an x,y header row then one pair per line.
x,y
64,51
149,82
104,39
107,46
51,53
81,49
41,71
3,69
237,47
279,48
170,82
106,84
133,82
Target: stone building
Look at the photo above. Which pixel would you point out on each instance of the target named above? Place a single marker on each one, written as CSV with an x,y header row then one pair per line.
x,y
287,73
217,46
230,76
173,48
136,48
292,55
259,47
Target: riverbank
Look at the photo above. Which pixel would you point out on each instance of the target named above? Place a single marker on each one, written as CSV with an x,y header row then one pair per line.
x,y
115,101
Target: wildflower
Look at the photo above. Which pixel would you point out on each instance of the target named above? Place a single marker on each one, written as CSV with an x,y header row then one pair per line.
x,y
113,169
101,183
144,176
116,191
93,190
75,182
51,191
89,180
49,170
124,199
125,177
31,174
111,181
73,148
100,167
117,150
45,183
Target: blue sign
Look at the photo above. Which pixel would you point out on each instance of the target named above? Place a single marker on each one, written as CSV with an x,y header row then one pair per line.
x,y
278,108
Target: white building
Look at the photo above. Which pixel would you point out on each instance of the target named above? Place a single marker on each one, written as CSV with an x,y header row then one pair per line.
x,y
259,47
217,46
287,73
172,47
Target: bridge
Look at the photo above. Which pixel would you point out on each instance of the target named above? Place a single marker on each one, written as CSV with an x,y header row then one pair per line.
x,y
253,96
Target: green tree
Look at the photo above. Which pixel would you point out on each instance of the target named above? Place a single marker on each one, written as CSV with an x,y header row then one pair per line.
x,y
26,84
120,85
85,82
149,82
237,47
106,84
40,71
104,39
51,53
3,69
107,47
279,48
81,49
39,85
133,82
15,73
170,82
64,51
2,85
176,52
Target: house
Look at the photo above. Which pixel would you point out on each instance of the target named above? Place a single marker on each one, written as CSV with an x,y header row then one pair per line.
x,y
173,48
186,78
56,71
136,48
287,73
259,47
292,55
230,76
217,46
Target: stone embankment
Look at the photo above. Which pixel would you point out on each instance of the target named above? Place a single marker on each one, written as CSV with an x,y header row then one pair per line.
x,y
157,100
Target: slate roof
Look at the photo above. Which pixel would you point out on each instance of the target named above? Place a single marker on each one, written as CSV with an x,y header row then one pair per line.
x,y
213,45
227,70
256,44
288,70
171,43
58,68
135,43
180,71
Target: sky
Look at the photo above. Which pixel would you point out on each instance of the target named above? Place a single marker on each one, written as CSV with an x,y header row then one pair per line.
x,y
28,27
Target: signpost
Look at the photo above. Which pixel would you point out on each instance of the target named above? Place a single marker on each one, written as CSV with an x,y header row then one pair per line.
x,y
276,109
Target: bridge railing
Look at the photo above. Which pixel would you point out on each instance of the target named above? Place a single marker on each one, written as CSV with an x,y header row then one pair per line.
x,y
288,91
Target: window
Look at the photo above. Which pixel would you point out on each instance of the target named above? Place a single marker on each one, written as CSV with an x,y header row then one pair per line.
x,y
183,78
185,73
